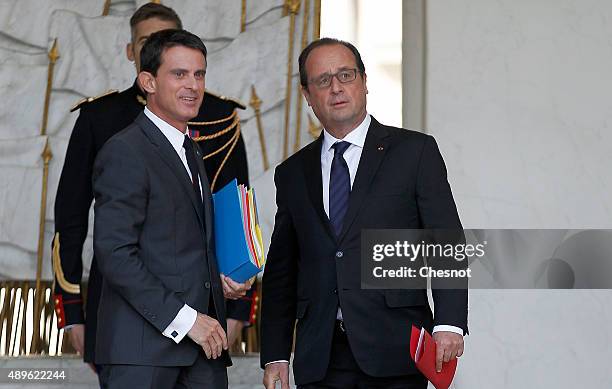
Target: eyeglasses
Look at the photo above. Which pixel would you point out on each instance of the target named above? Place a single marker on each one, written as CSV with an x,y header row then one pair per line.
x,y
344,76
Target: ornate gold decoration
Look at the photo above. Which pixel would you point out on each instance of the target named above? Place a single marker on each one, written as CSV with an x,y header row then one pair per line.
x,y
256,104
141,100
243,16
316,28
232,115
232,143
106,8
59,272
53,56
298,108
294,7
93,98
313,129
46,156
218,133
17,306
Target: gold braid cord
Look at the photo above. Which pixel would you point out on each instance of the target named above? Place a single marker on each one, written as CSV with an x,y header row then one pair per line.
x,y
218,133
57,269
214,121
232,144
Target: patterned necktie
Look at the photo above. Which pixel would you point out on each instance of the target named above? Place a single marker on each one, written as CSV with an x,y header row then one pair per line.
x,y
193,166
339,187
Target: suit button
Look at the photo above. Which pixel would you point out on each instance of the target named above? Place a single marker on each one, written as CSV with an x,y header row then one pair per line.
x,y
339,254
207,285
335,291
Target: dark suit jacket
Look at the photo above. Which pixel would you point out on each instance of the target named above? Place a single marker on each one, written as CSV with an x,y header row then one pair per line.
x,y
98,120
155,248
400,183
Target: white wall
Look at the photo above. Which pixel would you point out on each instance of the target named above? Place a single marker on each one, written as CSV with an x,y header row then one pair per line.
x,y
519,99
375,28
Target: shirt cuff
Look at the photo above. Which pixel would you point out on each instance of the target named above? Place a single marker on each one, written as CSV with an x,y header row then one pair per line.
x,y
280,360
448,328
181,324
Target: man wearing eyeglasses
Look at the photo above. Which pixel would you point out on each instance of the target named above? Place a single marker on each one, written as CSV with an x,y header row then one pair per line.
x,y
359,174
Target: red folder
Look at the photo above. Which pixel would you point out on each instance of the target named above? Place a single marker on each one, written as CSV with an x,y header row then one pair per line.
x,y
423,352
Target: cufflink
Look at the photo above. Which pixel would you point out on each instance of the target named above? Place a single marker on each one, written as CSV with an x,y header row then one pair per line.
x,y
174,334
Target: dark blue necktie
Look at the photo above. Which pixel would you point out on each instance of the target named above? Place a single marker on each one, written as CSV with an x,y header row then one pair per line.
x,y
193,166
339,187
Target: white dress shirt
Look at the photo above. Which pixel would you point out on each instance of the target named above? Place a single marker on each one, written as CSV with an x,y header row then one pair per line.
x,y
186,317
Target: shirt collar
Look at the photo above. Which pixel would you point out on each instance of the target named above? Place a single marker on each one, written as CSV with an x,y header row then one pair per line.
x,y
173,135
356,137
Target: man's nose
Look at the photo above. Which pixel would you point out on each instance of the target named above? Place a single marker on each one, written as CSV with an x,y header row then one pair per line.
x,y
336,86
193,82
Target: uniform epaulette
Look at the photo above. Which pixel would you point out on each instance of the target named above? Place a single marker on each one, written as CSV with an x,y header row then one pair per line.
x,y
90,99
237,102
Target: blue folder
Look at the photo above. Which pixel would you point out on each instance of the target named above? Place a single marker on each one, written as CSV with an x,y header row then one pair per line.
x,y
231,243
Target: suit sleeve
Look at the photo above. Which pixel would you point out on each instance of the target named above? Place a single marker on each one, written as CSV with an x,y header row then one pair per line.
x,y
438,211
279,284
72,203
121,189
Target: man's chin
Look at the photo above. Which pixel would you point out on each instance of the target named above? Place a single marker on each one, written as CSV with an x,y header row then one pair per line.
x,y
190,114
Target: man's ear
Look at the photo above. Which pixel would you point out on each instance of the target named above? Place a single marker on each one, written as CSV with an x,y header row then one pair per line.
x,y
365,84
147,82
306,94
129,52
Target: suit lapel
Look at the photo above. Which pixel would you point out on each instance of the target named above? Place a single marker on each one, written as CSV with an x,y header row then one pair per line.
x,y
169,156
373,153
314,181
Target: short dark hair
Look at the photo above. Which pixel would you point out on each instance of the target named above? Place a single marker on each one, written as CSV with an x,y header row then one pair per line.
x,y
326,42
151,52
154,10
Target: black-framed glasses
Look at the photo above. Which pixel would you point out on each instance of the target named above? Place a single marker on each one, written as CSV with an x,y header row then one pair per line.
x,y
344,76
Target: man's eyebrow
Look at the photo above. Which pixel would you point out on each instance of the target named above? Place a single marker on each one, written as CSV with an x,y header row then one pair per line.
x,y
174,70
328,73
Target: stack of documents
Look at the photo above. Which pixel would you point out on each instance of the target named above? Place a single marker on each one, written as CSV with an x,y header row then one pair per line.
x,y
240,251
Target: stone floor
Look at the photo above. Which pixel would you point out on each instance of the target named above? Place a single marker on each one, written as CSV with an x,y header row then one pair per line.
x,y
245,374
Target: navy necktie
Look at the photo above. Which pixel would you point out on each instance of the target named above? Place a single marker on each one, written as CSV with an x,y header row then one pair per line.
x,y
339,187
193,166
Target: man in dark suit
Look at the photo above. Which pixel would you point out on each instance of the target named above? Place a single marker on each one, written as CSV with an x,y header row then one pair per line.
x,y
154,237
359,174
99,119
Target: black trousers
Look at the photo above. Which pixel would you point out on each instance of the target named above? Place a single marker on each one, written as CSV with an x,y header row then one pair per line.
x,y
344,373
204,373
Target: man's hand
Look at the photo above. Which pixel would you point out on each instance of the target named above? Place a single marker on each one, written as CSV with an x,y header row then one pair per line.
x,y
277,371
208,333
233,290
234,328
76,334
449,345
